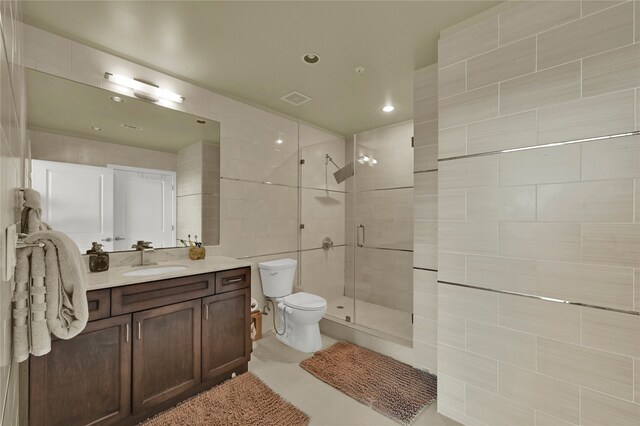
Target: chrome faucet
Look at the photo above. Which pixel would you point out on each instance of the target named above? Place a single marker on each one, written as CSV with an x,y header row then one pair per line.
x,y
142,247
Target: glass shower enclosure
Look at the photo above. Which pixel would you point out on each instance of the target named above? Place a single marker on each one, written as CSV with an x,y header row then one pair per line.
x,y
356,237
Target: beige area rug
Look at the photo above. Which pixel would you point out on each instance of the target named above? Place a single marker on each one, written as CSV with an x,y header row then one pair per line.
x,y
390,387
241,401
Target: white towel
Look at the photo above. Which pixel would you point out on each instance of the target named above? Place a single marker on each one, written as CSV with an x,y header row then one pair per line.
x,y
50,295
10,258
31,220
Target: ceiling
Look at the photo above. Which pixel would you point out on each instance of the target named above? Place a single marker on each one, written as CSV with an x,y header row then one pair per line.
x,y
252,50
66,107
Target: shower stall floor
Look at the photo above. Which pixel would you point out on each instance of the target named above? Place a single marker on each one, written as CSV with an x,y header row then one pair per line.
x,y
386,320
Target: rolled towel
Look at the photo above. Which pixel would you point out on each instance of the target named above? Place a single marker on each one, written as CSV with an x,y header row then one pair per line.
x,y
31,218
21,308
65,280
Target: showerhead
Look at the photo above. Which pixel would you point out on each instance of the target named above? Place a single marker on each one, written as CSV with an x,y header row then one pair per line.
x,y
343,173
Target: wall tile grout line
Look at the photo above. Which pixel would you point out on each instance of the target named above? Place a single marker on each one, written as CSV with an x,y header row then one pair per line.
x,y
548,299
425,269
548,145
425,171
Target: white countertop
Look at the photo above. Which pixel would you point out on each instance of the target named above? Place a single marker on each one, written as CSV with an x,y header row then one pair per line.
x,y
114,276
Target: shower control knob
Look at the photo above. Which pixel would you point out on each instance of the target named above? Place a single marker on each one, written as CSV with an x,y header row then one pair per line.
x,y
327,244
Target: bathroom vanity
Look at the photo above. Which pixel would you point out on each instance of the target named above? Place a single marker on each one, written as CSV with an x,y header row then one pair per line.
x,y
150,343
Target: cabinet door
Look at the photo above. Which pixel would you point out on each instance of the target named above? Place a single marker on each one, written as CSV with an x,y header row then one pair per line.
x,y
166,353
226,336
84,380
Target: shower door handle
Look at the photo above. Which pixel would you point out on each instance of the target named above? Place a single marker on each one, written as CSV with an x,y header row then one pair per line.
x,y
360,244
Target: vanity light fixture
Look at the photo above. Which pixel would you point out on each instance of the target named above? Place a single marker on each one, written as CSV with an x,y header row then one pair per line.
x,y
117,99
279,141
143,89
388,108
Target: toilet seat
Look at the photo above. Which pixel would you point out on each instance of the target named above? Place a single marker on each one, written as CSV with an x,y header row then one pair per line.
x,y
305,301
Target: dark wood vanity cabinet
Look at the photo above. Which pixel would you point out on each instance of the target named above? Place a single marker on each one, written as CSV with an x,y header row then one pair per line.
x,y
153,352
224,344
166,353
85,380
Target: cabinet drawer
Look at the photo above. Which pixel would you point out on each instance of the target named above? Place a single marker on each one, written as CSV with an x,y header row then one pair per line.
x,y
235,279
153,294
99,302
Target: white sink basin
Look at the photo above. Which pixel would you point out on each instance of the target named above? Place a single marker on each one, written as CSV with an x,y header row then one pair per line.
x,y
154,270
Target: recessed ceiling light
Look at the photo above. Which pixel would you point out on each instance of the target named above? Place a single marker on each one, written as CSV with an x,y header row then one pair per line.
x,y
200,121
279,141
96,128
388,108
311,58
117,99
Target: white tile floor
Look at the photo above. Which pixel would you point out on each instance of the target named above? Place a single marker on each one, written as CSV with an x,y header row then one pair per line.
x,y
387,320
277,365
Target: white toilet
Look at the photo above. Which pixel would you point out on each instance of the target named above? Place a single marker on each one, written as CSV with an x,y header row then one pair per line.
x,y
299,312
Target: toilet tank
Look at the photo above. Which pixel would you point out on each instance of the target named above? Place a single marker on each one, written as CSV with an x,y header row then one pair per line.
x,y
277,277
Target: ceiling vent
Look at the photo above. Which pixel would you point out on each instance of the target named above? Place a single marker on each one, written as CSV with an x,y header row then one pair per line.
x,y
296,98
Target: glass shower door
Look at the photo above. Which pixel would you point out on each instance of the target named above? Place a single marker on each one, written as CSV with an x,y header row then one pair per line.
x,y
382,198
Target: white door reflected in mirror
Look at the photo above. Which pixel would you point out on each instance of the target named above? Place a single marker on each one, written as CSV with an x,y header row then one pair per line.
x,y
77,200
115,206
144,207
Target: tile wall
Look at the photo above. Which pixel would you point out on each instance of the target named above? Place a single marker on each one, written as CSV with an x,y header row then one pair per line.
x,y
12,150
259,178
68,149
198,192
557,222
425,216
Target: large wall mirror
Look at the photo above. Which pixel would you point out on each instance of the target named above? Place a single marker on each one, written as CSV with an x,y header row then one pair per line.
x,y
116,169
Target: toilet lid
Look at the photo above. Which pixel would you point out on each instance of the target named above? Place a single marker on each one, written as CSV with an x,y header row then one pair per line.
x,y
305,301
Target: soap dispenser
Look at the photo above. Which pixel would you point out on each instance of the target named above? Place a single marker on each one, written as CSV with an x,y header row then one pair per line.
x,y
98,259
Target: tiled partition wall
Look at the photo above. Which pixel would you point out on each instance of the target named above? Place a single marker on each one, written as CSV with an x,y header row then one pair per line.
x,y
425,212
559,222
12,149
259,177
